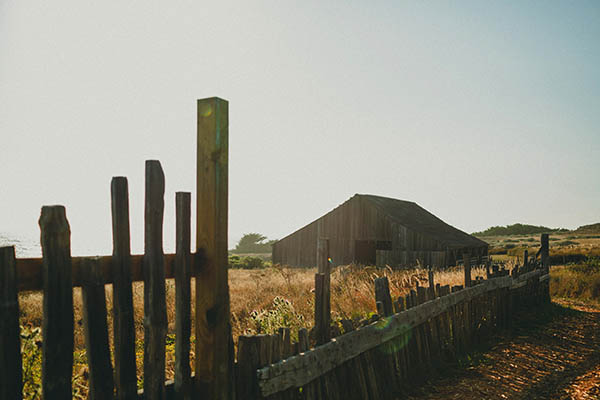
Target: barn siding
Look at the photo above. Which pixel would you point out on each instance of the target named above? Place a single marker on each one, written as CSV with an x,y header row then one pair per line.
x,y
359,219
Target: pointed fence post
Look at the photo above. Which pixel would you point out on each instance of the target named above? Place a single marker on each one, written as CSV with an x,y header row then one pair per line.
x,y
11,378
155,309
123,328
212,291
57,324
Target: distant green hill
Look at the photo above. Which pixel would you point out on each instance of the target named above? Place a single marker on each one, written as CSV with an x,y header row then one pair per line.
x,y
517,229
592,228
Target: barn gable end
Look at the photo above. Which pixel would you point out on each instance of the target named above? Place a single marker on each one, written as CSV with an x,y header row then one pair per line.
x,y
371,229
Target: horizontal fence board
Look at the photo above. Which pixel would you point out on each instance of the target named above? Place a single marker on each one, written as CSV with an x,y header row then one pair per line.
x,y
305,367
29,270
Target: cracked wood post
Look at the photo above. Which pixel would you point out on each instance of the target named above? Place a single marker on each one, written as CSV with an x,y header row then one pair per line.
x,y
182,295
545,250
155,309
467,267
11,378
123,329
212,291
382,295
57,324
322,292
101,381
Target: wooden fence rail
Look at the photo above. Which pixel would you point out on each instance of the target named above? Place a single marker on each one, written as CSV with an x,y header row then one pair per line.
x,y
382,359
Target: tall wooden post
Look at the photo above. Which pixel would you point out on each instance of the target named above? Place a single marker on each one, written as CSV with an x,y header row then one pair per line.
x,y
11,378
322,292
545,250
467,264
57,325
212,290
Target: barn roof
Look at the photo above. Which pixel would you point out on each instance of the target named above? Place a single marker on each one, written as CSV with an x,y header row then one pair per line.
x,y
416,218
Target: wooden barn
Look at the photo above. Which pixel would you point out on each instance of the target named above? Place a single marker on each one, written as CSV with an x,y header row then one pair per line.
x,y
375,230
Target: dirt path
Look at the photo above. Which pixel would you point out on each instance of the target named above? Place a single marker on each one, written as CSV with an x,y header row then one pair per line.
x,y
551,355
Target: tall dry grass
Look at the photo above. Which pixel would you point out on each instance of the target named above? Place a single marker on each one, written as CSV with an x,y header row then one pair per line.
x,y
352,296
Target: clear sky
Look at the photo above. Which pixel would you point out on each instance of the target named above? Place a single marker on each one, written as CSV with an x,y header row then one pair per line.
x,y
484,113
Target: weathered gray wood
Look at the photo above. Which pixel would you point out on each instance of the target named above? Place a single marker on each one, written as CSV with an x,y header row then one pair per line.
x,y
430,277
545,250
321,320
30,270
382,294
303,340
155,310
123,327
95,328
299,370
11,377
323,267
57,325
467,269
183,324
286,340
248,361
212,363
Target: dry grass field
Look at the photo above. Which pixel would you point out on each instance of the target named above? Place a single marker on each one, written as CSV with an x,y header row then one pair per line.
x,y
261,300
562,244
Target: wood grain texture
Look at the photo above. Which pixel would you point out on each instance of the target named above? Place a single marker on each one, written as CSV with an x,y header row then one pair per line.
x,y
101,382
382,294
121,267
183,324
300,370
212,291
30,270
11,377
57,324
155,310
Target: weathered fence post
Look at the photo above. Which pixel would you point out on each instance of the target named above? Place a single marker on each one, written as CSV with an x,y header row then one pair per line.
x,y
57,325
545,250
382,295
96,331
432,293
212,290
249,361
182,295
123,328
321,324
155,309
11,378
467,265
322,293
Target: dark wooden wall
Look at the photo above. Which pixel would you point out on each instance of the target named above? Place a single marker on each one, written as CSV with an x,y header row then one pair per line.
x,y
358,219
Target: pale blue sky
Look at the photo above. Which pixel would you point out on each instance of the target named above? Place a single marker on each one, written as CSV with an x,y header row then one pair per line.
x,y
485,113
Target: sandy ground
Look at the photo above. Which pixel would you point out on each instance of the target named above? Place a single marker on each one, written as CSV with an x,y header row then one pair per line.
x,y
555,355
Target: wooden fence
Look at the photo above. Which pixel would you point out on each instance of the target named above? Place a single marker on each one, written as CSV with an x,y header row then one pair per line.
x,y
405,343
396,351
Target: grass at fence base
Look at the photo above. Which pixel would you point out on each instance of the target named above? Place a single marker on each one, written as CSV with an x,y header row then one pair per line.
x,y
261,299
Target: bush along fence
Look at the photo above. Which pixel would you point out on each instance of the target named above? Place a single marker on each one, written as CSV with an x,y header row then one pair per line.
x,y
405,344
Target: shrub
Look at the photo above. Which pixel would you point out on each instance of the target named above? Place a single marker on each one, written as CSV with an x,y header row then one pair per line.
x,y
247,262
281,315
